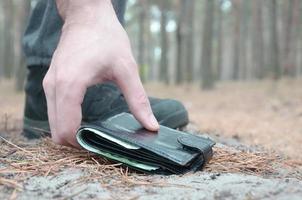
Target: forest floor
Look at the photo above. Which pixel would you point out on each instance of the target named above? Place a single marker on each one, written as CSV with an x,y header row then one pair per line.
x,y
257,127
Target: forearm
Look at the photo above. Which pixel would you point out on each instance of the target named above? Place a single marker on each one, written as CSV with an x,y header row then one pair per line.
x,y
83,10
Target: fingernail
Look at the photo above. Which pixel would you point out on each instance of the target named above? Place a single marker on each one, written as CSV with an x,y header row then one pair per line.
x,y
154,122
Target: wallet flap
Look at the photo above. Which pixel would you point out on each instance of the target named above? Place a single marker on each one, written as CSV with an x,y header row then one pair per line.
x,y
201,144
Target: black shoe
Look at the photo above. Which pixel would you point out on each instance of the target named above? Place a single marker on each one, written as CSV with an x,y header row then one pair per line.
x,y
100,102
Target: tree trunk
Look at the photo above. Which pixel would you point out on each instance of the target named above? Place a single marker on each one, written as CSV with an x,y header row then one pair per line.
x,y
299,57
236,39
142,39
180,38
164,76
288,66
206,64
185,37
274,44
190,41
8,60
258,40
244,17
219,41
22,17
1,41
149,44
296,21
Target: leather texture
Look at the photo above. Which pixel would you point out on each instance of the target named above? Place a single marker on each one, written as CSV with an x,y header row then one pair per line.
x,y
169,151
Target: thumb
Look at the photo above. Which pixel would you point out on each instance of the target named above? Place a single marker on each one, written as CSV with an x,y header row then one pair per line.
x,y
129,82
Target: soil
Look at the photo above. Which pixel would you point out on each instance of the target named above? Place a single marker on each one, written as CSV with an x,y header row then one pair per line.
x,y
193,186
262,113
249,117
199,185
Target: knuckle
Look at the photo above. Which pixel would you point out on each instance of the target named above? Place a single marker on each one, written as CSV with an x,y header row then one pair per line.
x,y
70,91
61,82
47,83
69,83
65,86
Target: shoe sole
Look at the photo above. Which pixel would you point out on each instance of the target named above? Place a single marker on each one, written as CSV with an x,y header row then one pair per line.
x,y
34,129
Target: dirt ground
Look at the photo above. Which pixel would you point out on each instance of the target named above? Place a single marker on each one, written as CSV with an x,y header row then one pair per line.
x,y
255,113
257,127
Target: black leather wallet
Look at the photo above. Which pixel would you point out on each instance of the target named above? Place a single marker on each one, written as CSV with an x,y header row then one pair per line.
x,y
122,139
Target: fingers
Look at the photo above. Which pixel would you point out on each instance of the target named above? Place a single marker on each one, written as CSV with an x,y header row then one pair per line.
x,y
128,80
69,97
64,100
50,93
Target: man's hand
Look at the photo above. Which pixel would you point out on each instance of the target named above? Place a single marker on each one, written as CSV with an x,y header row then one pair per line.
x,y
93,48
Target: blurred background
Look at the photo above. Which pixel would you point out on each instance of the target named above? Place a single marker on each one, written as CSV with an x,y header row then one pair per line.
x,y
235,64
185,41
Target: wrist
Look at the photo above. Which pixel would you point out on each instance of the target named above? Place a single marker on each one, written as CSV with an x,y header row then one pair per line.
x,y
82,11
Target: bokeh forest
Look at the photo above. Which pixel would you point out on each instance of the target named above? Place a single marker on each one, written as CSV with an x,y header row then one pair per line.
x,y
185,41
